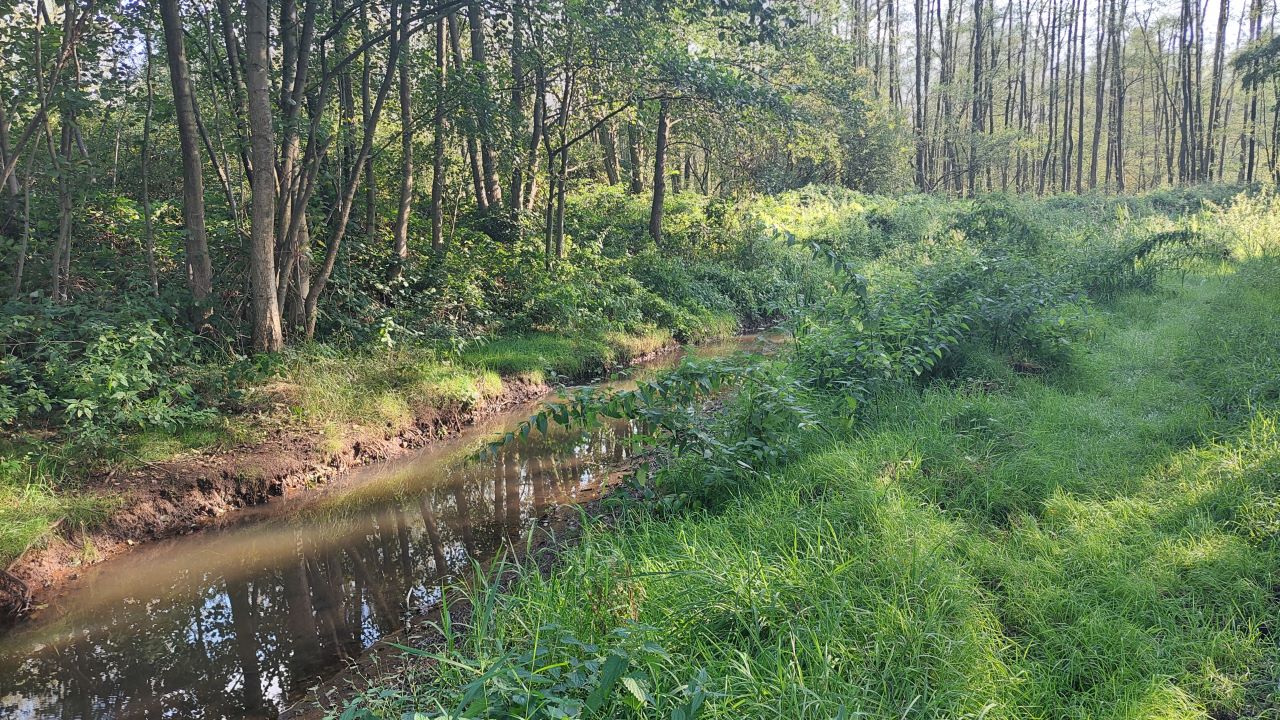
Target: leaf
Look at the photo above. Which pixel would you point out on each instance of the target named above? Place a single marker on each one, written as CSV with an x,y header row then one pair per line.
x,y
613,669
637,690
356,712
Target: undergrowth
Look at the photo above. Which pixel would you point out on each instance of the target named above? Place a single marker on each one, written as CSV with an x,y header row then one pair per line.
x,y
1009,469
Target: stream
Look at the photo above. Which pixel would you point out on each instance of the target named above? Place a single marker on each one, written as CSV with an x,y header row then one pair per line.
x,y
241,620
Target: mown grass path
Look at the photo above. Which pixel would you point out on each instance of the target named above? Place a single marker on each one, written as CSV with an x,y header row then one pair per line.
x,y
1100,542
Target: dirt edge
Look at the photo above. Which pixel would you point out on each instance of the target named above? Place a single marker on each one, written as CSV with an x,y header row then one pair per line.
x,y
190,494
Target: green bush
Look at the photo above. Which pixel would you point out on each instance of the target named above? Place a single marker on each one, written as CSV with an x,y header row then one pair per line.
x,y
94,375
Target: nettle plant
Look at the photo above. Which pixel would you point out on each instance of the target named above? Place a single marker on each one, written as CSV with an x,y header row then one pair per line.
x,y
553,676
106,378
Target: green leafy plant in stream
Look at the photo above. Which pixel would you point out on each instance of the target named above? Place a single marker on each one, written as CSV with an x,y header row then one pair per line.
x,y
555,676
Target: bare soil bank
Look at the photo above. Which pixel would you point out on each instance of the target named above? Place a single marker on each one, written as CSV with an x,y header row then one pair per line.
x,y
193,493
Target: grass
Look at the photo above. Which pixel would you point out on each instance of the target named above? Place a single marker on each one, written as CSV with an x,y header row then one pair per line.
x,y
390,388
30,505
539,356
1100,542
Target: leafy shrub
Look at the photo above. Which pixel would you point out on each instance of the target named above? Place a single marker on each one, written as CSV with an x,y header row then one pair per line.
x,y
1002,220
94,375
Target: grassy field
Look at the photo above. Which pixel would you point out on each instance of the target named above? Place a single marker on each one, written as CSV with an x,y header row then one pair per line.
x,y
1099,541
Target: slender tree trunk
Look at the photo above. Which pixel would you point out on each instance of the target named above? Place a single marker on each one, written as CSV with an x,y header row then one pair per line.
x,y
148,224
472,147
1250,144
14,194
438,138
660,171
366,110
633,164
609,146
62,249
1099,86
515,115
235,71
267,333
1084,23
921,101
1116,142
11,187
25,244
199,266
1215,96
401,233
342,213
977,122
537,133
488,164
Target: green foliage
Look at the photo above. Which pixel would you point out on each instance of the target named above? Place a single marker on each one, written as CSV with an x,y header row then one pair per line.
x,y
1069,545
94,375
554,676
995,281
30,503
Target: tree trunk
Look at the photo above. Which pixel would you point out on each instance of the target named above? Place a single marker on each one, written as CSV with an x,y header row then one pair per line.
x,y
1215,97
25,245
199,267
437,130
267,333
61,264
401,233
11,187
472,147
489,166
633,159
366,109
1099,87
342,213
660,171
530,191
515,114
148,224
609,144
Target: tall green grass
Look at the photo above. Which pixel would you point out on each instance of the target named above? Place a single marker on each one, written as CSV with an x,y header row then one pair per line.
x,y
1097,542
31,504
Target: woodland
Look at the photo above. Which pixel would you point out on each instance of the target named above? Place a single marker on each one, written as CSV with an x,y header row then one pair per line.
x,y
1007,448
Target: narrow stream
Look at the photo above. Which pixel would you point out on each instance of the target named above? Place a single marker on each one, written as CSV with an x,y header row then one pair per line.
x,y
241,621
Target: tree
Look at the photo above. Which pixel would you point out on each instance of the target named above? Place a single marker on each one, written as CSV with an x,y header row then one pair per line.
x,y
199,267
268,336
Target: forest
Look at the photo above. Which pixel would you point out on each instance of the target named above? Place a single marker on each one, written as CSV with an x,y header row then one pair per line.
x,y
639,358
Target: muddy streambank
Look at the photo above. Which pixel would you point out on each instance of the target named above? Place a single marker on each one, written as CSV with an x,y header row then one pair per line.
x,y
201,491
279,602
197,493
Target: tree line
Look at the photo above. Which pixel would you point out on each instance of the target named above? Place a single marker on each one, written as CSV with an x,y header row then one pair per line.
x,y
287,130
1072,95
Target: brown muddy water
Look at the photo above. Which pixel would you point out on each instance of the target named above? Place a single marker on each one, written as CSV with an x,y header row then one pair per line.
x,y
240,621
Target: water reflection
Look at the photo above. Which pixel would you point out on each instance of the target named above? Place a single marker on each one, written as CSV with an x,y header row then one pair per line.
x,y
240,623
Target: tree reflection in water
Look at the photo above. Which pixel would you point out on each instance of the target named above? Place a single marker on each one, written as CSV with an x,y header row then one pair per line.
x,y
242,629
